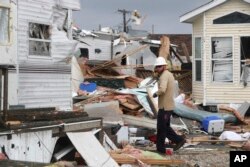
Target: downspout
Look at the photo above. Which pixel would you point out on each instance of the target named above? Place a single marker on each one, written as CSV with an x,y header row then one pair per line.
x,y
204,60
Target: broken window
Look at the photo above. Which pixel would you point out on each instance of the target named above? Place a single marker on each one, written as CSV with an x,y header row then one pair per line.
x,y
4,25
39,39
222,59
233,18
124,60
245,60
198,59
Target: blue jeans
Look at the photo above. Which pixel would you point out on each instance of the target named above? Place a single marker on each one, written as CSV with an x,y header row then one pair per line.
x,y
164,130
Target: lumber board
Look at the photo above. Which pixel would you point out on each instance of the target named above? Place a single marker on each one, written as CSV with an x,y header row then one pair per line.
x,y
215,141
128,159
131,106
185,50
235,112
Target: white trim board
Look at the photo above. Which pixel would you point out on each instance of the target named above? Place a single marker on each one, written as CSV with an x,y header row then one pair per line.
x,y
188,17
91,150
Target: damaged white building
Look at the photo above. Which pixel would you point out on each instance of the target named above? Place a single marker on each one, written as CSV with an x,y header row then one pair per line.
x,y
36,38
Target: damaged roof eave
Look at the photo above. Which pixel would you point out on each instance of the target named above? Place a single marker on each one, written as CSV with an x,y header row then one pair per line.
x,y
74,5
190,16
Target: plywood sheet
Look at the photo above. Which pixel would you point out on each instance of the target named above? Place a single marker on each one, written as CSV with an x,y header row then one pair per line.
x,y
91,150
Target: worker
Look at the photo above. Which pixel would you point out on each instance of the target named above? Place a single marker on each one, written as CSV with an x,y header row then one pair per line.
x,y
166,105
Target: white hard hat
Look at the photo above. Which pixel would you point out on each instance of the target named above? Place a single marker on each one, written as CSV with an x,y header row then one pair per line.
x,y
160,61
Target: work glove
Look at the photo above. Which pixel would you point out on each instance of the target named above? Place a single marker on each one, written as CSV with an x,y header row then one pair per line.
x,y
155,95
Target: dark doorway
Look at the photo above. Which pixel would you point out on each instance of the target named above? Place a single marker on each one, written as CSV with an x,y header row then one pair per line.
x,y
84,52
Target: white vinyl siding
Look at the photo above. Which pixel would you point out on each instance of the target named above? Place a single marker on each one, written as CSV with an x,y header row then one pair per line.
x,y
44,78
216,89
226,92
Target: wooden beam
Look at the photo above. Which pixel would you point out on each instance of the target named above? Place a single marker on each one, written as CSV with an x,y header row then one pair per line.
x,y
176,54
211,140
164,47
128,159
235,112
216,140
185,51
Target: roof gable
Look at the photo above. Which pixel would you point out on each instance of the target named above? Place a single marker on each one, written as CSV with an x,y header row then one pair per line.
x,y
189,17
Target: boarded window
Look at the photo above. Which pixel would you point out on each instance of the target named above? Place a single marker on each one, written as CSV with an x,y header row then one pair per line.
x,y
222,59
39,39
4,25
198,59
233,18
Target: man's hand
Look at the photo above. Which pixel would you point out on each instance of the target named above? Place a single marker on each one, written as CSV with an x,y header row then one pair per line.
x,y
155,95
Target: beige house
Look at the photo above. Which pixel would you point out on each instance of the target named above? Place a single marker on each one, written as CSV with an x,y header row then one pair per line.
x,y
221,51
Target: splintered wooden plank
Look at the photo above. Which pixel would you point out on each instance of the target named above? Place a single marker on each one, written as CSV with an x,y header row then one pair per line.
x,y
131,106
91,150
186,53
128,159
165,47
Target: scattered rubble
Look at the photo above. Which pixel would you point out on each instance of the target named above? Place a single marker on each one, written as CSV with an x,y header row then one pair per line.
x,y
113,122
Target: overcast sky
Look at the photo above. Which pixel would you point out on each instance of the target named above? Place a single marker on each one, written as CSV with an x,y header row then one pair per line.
x,y
163,15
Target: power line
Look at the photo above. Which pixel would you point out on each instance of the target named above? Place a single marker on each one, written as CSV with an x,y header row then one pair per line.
x,y
124,12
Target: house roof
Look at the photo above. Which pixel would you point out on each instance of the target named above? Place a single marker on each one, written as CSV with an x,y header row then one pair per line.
x,y
190,16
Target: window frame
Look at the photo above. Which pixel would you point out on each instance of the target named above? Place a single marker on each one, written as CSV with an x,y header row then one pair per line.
x,y
242,62
198,59
8,42
225,60
39,40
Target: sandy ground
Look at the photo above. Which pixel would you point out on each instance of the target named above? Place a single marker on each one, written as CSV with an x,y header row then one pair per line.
x,y
203,158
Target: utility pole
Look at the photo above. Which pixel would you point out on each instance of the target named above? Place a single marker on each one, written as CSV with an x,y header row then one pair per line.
x,y
124,12
153,28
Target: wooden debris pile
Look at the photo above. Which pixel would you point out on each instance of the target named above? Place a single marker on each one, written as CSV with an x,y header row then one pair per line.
x,y
109,81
